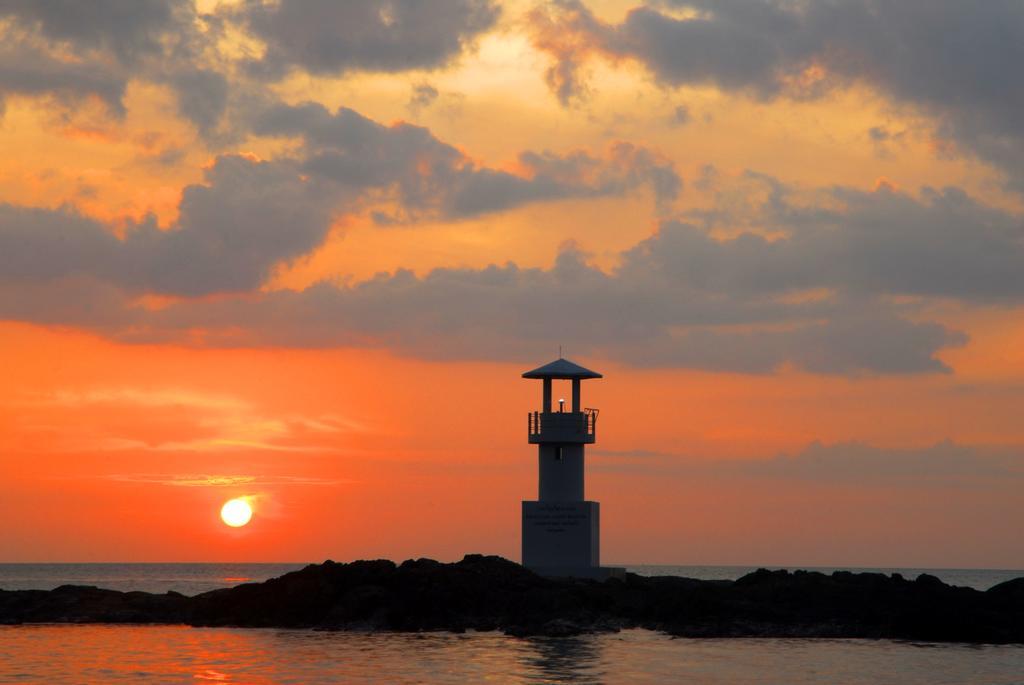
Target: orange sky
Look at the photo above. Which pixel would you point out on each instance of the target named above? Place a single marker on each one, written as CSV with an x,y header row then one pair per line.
x,y
854,403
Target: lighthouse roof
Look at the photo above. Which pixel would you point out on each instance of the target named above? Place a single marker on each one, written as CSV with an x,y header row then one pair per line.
x,y
562,368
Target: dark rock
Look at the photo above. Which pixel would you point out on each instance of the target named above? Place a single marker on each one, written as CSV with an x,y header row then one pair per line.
x,y
1010,592
487,593
87,604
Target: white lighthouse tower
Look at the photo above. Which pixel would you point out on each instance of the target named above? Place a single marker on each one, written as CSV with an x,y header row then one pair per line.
x,y
561,529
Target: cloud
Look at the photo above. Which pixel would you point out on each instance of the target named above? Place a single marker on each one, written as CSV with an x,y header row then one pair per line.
x,y
769,277
947,58
566,30
250,216
642,315
127,29
941,244
206,480
70,51
31,72
231,232
832,280
423,95
681,115
202,96
429,176
176,420
857,461
944,464
325,37
143,397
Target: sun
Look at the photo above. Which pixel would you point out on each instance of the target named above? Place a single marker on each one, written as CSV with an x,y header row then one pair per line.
x,y
236,512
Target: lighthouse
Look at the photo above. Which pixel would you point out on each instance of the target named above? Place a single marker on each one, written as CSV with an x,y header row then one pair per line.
x,y
561,528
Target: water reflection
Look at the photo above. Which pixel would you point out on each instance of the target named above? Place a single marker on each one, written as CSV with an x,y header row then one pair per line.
x,y
564,659
73,654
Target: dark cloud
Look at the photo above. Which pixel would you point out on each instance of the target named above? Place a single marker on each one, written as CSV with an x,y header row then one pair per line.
x,y
329,37
566,29
953,60
202,96
28,71
232,230
850,339
885,139
70,50
940,244
837,289
507,312
817,294
687,298
429,176
423,95
550,176
248,217
681,115
78,301
879,134
126,28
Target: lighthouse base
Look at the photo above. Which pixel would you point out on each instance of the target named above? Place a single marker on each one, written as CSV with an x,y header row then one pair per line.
x,y
563,539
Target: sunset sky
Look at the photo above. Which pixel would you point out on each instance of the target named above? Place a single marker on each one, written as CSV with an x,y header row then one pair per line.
x,y
301,252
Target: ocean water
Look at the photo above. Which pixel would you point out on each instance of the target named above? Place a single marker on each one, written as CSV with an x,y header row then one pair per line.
x,y
191,579
175,654
65,654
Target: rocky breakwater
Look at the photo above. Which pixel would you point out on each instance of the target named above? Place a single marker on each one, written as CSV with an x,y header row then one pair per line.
x,y
490,593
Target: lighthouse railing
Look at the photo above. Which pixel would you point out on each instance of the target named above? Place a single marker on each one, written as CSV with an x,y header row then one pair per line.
x,y
559,426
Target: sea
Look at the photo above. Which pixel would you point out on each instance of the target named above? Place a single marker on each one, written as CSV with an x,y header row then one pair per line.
x,y
181,654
